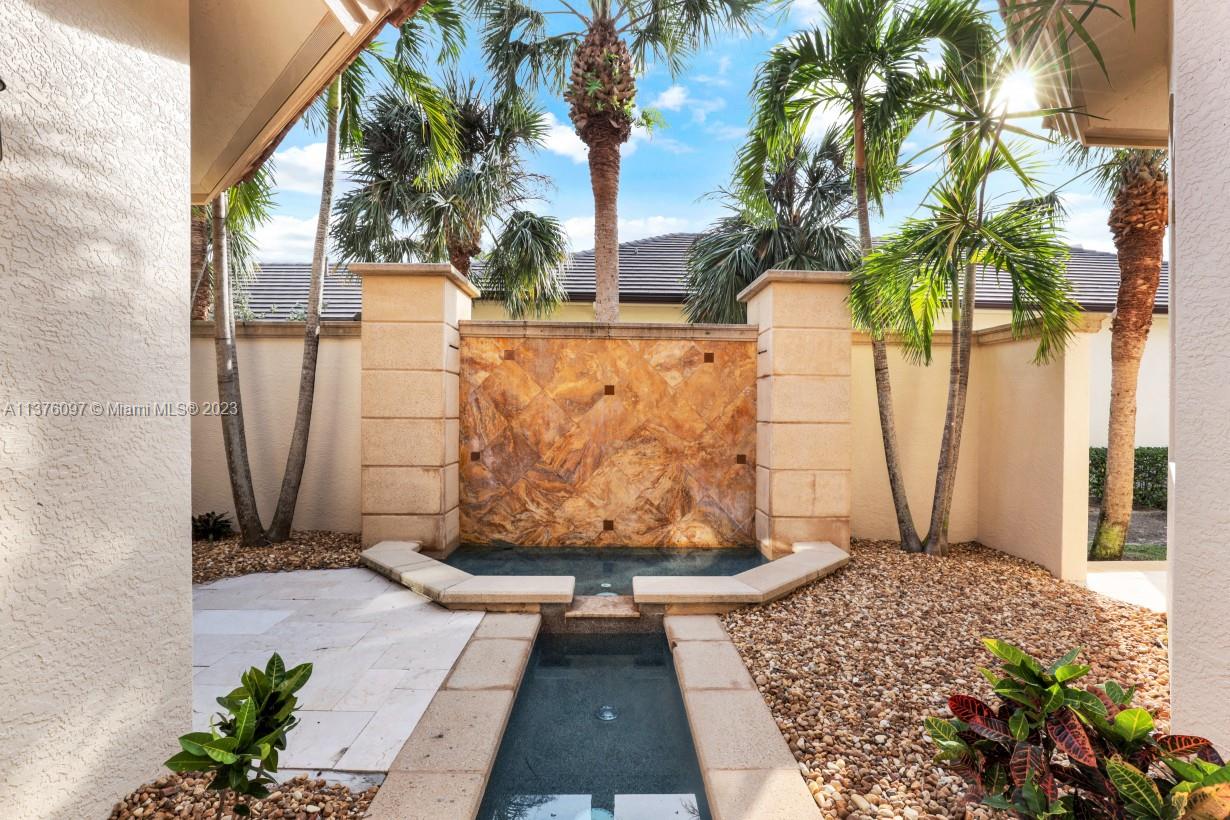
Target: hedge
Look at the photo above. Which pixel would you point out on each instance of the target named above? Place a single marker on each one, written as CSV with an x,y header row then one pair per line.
x,y
1150,478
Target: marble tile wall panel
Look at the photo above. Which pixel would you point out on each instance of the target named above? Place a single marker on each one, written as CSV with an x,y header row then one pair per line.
x,y
561,435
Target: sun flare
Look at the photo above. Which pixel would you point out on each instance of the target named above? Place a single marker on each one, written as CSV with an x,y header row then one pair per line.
x,y
1017,92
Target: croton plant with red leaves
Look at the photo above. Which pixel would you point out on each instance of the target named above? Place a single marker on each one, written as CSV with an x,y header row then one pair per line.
x,y
1056,748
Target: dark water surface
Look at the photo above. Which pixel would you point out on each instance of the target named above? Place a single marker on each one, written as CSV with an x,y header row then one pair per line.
x,y
603,569
560,760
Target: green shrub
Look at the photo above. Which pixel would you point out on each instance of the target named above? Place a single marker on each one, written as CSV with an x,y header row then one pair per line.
x,y
1149,477
241,747
1051,749
211,526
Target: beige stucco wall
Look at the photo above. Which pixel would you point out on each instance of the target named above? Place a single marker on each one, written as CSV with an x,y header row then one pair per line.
x,y
1200,377
1033,467
1152,392
920,399
95,595
269,381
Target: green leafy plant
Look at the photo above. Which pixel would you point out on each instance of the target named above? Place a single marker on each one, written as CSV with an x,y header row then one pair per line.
x,y
241,747
1055,749
211,526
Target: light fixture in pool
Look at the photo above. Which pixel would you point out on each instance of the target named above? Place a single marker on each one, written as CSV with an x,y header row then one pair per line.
x,y
606,713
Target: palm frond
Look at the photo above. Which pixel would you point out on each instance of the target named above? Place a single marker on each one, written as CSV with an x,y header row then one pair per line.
x,y
525,265
808,199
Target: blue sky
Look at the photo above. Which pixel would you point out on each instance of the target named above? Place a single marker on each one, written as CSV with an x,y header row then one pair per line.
x,y
665,175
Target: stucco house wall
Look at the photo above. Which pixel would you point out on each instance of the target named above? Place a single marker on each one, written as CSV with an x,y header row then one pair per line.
x,y
95,593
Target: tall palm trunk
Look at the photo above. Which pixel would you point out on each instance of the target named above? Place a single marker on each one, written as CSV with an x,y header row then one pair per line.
x,y
879,354
604,178
296,457
200,293
600,97
1138,221
234,440
954,418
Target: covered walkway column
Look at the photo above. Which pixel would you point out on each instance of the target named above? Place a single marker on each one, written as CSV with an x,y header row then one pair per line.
x,y
1200,371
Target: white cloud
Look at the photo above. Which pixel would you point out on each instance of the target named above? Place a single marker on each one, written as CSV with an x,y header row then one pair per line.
x,y
1086,222
286,239
300,168
581,229
562,139
806,13
678,97
822,119
672,99
722,131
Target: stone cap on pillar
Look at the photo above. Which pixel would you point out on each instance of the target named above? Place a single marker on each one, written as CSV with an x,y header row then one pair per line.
x,y
813,277
442,269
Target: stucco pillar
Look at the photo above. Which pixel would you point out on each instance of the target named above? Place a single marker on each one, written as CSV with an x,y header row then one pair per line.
x,y
409,402
1199,519
803,439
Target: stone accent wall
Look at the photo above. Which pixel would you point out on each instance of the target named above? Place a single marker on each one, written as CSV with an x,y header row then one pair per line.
x,y
590,435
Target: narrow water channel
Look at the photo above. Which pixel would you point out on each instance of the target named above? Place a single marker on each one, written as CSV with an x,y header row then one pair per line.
x,y
598,732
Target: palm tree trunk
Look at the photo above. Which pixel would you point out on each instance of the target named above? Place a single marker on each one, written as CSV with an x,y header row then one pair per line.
x,y
234,440
1137,220
604,178
200,240
879,354
954,418
296,457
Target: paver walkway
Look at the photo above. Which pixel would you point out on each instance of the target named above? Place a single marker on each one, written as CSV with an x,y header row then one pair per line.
x,y
1133,585
380,653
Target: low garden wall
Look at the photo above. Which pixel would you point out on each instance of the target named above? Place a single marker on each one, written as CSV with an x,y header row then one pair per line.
x,y
401,411
584,434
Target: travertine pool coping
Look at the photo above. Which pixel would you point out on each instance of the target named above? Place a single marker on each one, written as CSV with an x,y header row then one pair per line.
x,y
442,770
746,766
401,561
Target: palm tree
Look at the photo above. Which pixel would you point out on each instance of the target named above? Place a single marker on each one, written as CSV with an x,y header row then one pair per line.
x,y
250,203
932,263
234,215
1136,181
339,110
596,66
810,195
867,65
392,217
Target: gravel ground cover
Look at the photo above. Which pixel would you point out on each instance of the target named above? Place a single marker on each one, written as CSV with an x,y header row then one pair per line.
x,y
185,796
851,664
309,549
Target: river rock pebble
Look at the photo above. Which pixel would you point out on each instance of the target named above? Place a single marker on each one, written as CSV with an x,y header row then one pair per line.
x,y
850,665
175,797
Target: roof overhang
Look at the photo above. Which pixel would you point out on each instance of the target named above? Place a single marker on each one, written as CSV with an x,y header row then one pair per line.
x,y
257,64
1128,104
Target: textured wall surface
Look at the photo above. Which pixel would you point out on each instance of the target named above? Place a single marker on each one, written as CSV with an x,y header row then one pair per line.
x,y
548,454
1032,459
95,597
269,378
920,397
1200,396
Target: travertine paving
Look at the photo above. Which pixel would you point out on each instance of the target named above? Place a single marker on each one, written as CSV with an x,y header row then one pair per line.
x,y
380,653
